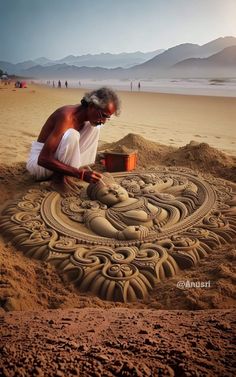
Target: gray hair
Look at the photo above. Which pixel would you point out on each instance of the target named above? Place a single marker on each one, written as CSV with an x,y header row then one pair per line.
x,y
101,98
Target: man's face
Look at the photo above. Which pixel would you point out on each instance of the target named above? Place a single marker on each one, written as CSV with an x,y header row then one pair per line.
x,y
99,116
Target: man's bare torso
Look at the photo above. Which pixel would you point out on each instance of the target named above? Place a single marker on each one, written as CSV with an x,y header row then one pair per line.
x,y
61,120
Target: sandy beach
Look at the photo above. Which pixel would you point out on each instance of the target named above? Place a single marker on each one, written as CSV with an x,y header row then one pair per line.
x,y
170,119
183,332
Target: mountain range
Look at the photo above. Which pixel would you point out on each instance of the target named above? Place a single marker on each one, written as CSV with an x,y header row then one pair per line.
x,y
107,60
104,60
216,58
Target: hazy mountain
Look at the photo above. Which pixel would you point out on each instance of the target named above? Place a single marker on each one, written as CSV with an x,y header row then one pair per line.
x,y
226,57
170,57
8,67
182,52
126,60
183,60
223,63
43,61
65,71
25,65
18,67
216,46
105,60
70,59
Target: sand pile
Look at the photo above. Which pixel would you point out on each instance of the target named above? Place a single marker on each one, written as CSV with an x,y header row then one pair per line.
x,y
203,157
123,149
199,156
149,152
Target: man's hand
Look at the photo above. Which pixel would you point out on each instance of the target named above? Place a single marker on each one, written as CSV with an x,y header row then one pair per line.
x,y
90,176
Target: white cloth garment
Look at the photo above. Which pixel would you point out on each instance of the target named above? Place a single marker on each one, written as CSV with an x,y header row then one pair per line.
x,y
75,149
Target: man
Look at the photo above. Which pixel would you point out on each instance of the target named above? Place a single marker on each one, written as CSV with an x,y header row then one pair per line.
x,y
69,138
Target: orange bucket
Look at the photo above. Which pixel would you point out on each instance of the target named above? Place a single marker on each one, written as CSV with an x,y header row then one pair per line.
x,y
115,161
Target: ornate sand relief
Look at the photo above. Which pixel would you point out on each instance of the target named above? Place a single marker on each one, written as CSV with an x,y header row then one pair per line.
x,y
188,217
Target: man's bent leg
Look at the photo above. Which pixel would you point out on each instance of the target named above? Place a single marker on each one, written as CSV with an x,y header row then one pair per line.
x,y
74,150
68,151
39,172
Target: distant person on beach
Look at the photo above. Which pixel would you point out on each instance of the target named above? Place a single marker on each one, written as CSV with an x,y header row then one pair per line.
x,y
53,84
139,85
131,86
66,84
59,84
69,138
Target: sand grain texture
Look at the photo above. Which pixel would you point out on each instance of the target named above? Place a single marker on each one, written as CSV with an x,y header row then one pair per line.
x,y
92,342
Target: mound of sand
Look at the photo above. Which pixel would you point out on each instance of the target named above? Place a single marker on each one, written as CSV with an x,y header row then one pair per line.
x,y
198,156
203,157
149,152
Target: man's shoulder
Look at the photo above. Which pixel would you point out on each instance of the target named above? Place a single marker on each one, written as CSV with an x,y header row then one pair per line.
x,y
63,112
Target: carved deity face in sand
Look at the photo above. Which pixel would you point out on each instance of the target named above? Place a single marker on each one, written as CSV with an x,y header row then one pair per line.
x,y
112,194
107,191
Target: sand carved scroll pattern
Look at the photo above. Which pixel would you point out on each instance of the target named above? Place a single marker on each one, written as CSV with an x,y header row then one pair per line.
x,y
125,270
121,274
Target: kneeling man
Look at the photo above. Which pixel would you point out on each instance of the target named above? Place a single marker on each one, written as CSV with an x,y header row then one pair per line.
x,y
69,138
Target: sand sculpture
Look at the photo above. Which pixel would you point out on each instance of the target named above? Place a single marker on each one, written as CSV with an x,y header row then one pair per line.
x,y
118,239
125,217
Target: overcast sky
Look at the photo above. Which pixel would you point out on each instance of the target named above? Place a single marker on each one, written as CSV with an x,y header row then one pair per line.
x,y
55,28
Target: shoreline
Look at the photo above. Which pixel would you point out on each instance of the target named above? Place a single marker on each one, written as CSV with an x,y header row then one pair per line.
x,y
198,87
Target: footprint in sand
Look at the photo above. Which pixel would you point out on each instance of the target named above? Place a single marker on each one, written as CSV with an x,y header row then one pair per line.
x,y
197,136
217,137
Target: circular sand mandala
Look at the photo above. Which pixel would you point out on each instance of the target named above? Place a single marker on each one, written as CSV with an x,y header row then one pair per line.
x,y
119,238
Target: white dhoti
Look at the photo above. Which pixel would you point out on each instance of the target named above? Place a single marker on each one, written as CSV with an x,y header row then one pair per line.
x,y
75,149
